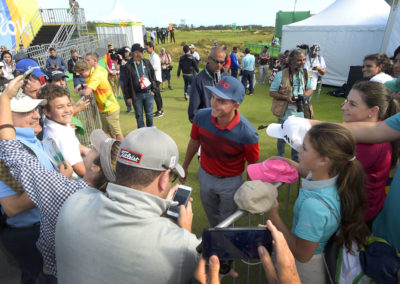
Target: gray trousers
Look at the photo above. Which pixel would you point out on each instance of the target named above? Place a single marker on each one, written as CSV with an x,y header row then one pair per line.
x,y
217,195
262,73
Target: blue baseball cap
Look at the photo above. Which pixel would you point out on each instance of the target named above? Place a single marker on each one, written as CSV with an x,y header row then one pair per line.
x,y
229,88
24,64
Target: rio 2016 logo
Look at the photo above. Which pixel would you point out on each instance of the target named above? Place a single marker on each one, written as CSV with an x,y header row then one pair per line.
x,y
8,27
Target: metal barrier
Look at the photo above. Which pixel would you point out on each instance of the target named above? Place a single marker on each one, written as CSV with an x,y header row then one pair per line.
x,y
90,119
83,45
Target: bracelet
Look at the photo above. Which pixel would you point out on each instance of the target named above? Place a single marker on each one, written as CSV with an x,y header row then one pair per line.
x,y
7,126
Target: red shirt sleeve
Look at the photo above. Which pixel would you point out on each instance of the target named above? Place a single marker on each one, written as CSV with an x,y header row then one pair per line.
x,y
251,153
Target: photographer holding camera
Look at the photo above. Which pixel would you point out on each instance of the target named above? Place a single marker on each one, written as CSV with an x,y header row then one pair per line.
x,y
110,59
289,90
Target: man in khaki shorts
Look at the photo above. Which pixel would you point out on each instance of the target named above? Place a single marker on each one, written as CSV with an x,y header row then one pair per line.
x,y
97,82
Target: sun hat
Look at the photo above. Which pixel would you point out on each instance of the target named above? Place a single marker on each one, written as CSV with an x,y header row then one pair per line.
x,y
191,46
24,103
273,171
229,88
256,196
150,148
293,130
103,144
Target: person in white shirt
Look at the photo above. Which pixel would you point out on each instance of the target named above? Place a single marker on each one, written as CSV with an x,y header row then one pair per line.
x,y
377,67
315,65
194,53
59,111
156,63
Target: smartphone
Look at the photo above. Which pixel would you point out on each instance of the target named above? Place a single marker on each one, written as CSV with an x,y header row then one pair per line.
x,y
182,195
28,72
235,243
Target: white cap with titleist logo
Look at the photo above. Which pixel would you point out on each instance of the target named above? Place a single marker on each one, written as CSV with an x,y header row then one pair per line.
x,y
293,130
150,148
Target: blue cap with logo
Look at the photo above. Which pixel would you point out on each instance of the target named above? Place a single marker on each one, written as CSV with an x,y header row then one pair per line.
x,y
25,64
229,88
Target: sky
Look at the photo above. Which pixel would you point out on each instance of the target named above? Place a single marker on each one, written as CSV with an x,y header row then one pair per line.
x,y
196,12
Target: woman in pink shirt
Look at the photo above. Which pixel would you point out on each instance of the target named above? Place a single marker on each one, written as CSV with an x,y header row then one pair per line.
x,y
370,102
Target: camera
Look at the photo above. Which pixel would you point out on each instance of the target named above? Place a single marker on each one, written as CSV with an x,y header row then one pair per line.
x,y
299,102
113,54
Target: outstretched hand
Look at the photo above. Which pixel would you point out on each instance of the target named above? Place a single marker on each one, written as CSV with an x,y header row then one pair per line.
x,y
13,87
284,270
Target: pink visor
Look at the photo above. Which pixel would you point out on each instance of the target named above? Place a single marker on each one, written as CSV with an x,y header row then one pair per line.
x,y
273,171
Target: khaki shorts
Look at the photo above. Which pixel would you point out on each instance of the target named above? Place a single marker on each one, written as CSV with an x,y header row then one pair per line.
x,y
110,122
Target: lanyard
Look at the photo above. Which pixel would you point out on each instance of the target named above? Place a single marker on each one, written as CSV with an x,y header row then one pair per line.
x,y
215,80
313,59
137,71
299,78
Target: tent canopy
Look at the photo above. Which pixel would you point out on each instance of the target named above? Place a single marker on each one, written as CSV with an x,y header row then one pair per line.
x,y
118,14
346,31
118,21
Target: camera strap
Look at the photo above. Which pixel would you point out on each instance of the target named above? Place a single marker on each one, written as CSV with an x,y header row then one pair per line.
x,y
299,77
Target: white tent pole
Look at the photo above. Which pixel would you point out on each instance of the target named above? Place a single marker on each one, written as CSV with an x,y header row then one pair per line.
x,y
389,26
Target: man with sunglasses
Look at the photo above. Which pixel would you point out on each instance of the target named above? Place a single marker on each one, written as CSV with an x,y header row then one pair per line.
x,y
199,95
126,239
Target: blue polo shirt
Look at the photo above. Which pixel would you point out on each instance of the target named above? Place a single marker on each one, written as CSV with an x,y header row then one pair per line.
x,y
27,218
316,212
248,62
387,224
224,150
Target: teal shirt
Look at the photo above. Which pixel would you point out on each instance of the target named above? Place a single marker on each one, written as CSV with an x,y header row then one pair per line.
x,y
313,220
387,224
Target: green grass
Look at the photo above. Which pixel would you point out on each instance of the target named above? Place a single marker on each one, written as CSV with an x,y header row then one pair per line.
x,y
256,108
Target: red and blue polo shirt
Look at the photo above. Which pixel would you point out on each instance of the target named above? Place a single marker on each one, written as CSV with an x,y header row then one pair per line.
x,y
224,150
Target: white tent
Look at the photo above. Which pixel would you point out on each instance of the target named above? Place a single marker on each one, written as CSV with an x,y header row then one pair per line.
x,y
118,21
392,34
347,30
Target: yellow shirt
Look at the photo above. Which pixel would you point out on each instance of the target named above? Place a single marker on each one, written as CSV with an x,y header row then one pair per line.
x,y
102,91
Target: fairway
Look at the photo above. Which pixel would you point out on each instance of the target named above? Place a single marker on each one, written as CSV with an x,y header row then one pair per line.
x,y
255,108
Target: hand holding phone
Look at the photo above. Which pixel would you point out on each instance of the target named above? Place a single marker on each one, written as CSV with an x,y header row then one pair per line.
x,y
235,243
182,195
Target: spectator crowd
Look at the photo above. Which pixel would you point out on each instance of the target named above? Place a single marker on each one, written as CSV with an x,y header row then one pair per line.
x,y
75,213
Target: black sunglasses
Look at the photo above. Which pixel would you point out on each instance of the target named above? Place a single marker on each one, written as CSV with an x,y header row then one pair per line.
x,y
216,61
173,174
